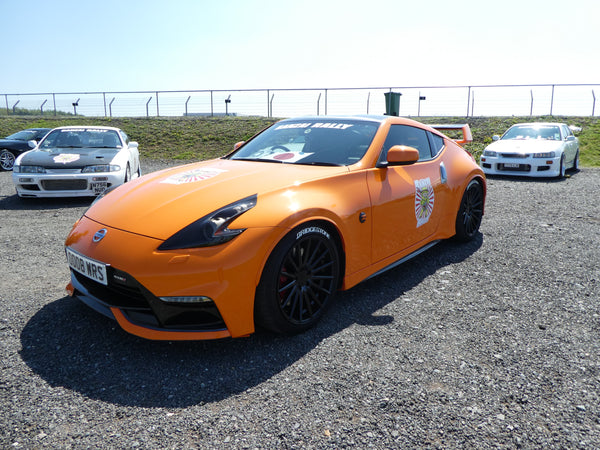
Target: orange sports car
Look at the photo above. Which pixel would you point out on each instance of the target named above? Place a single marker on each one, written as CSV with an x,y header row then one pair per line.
x,y
267,234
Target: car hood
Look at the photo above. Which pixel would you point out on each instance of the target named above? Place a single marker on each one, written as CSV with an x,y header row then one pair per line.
x,y
71,158
159,204
524,146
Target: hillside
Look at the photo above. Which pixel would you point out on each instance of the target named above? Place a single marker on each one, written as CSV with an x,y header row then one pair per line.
x,y
197,138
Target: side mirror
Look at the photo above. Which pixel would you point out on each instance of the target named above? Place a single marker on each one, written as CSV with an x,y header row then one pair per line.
x,y
133,144
495,138
238,145
32,144
402,155
570,138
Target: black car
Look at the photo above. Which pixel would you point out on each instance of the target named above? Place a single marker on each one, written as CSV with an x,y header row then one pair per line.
x,y
15,144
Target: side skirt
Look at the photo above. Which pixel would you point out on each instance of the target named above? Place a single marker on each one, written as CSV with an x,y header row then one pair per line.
x,y
406,258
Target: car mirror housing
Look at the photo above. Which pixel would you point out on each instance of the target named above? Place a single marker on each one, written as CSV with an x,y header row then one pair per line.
x,y
32,144
238,145
133,144
400,155
495,138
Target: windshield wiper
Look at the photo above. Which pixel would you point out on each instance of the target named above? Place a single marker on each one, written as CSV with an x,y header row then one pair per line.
x,y
258,160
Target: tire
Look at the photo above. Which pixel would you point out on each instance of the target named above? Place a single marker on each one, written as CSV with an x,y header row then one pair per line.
x,y
127,174
470,212
562,169
7,160
576,162
298,281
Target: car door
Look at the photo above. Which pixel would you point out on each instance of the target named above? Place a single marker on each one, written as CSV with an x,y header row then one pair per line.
x,y
570,145
406,200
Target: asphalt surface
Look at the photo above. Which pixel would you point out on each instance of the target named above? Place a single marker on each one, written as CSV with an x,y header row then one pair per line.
x,y
493,344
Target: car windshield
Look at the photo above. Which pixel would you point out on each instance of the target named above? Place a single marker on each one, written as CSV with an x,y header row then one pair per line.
x,y
25,135
548,132
326,143
76,138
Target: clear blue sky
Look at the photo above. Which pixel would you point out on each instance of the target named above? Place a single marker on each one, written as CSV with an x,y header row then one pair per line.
x,y
122,45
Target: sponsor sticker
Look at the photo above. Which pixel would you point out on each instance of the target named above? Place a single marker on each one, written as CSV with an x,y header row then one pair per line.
x,y
193,176
424,200
65,158
312,230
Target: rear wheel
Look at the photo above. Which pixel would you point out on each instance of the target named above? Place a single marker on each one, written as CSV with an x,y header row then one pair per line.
x,y
7,160
298,281
470,212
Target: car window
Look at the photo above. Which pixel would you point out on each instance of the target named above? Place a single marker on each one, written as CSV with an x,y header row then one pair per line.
x,y
437,143
25,135
547,132
125,137
566,131
409,136
339,142
81,138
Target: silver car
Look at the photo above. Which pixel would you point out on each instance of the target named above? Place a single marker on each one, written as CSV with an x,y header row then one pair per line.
x,y
76,161
539,149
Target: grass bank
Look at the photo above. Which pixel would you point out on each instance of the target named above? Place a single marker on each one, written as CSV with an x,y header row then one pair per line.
x,y
199,138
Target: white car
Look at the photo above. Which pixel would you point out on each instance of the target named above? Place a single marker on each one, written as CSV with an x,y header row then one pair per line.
x,y
78,161
539,149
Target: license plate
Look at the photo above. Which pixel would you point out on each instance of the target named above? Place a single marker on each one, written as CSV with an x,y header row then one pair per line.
x,y
511,165
92,269
98,187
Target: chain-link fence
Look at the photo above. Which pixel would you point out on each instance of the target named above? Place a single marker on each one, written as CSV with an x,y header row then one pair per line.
x,y
483,100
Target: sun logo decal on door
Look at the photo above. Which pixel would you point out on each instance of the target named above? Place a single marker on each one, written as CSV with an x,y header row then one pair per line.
x,y
424,200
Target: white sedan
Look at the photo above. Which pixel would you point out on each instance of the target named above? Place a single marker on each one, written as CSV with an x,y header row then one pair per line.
x,y
78,161
539,149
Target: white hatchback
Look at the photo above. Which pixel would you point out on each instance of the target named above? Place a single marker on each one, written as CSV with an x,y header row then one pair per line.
x,y
79,161
539,149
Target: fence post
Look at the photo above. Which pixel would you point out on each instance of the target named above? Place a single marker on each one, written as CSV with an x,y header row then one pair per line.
x,y
42,107
186,103
552,100
110,106
318,103
468,100
157,110
147,103
6,99
104,99
211,104
593,104
531,107
325,101
54,101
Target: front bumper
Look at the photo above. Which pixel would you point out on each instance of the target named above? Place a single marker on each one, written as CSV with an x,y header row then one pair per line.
x,y
141,280
65,183
520,166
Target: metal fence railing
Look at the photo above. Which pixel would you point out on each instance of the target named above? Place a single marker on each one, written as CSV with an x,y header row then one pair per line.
x,y
482,100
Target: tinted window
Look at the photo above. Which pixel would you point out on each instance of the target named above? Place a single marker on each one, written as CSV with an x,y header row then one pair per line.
x,y
409,136
335,142
437,143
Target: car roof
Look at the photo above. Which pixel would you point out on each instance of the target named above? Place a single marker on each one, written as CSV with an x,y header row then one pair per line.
x,y
85,127
533,124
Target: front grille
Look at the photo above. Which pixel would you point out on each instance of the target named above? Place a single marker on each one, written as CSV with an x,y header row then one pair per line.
x,y
142,307
64,185
514,155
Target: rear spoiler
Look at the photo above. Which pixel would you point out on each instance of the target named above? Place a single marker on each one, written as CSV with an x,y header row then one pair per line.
x,y
466,131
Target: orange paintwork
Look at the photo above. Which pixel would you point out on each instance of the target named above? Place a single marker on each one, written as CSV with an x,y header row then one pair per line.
x,y
148,210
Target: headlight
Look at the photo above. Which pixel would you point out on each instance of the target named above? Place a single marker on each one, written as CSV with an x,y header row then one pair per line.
x,y
544,155
101,168
211,229
489,153
29,169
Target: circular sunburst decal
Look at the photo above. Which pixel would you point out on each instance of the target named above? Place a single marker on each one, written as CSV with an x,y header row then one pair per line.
x,y
424,199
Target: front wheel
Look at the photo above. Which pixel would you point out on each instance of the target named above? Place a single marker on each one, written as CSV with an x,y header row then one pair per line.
x,y
470,212
562,170
7,160
298,281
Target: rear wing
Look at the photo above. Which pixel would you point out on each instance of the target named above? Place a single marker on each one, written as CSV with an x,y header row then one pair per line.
x,y
464,128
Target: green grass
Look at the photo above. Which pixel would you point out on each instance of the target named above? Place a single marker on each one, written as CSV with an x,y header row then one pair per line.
x,y
199,138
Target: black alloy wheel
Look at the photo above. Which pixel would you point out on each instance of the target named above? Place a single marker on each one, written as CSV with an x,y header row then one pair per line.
x,y
470,212
298,281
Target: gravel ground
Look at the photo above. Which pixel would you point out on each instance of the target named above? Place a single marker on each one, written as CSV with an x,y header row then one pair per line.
x,y
493,344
